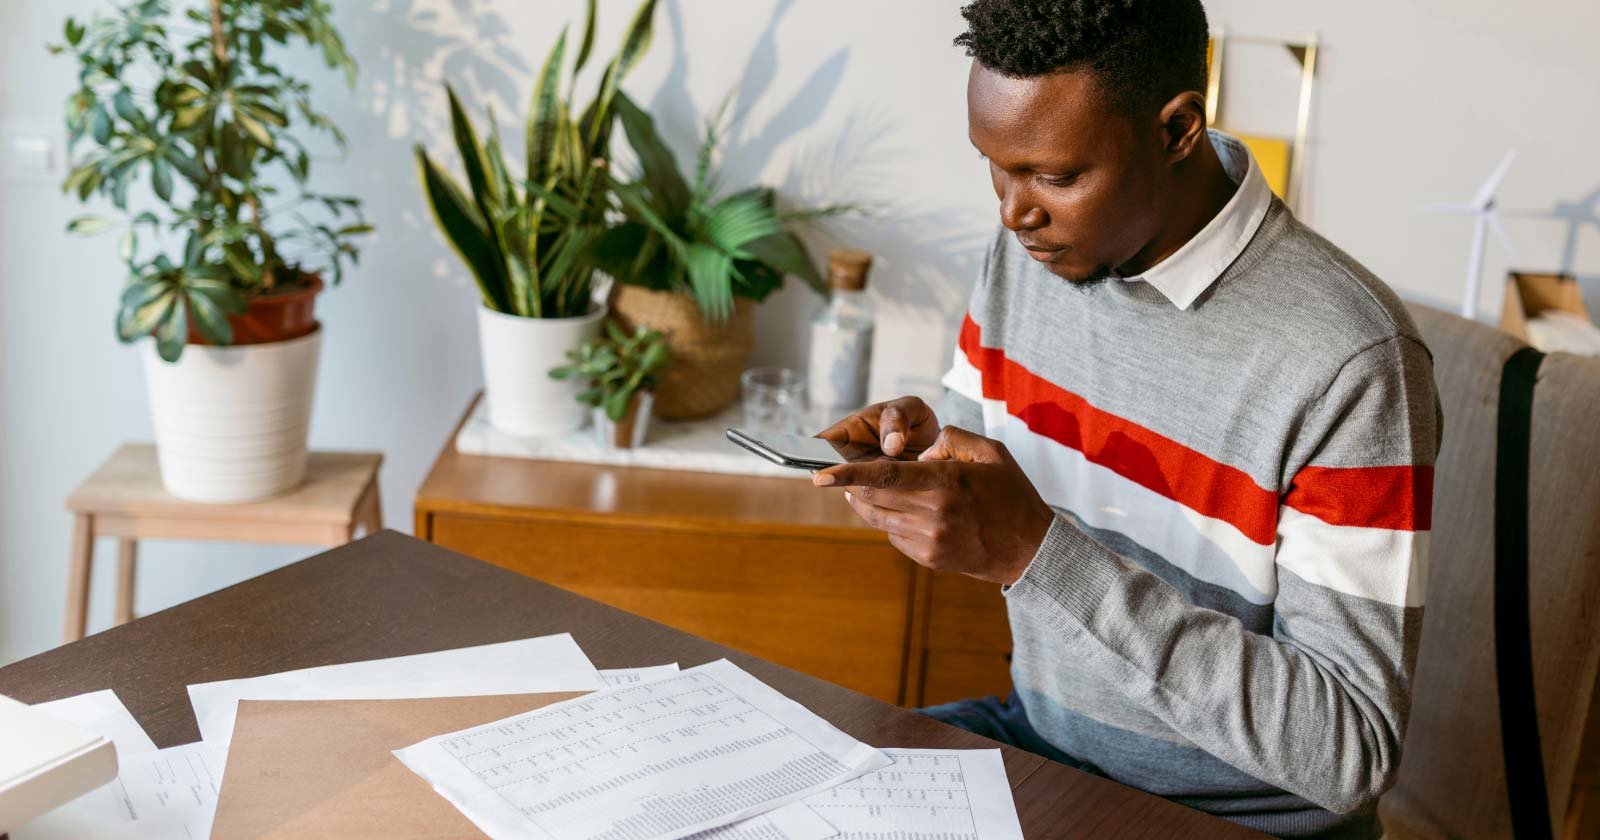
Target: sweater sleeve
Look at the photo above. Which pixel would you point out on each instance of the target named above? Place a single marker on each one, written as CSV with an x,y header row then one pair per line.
x,y
1318,708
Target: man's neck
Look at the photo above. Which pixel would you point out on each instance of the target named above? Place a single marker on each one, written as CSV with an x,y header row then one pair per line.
x,y
1202,188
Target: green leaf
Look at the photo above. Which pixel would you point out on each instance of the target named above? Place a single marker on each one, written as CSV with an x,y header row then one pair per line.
x,y
161,179
220,292
587,45
209,319
185,118
711,280
142,292
174,331
74,31
660,169
241,262
90,225
634,44
737,221
617,405
473,161
786,254
265,113
186,166
123,102
135,321
545,112
354,230
100,124
254,128
465,229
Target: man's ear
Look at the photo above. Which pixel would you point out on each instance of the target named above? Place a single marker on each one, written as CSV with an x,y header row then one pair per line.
x,y
1183,124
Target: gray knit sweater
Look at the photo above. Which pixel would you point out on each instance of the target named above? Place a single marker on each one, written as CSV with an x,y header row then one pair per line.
x,y
1226,610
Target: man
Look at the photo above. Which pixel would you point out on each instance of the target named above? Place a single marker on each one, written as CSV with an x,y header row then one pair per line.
x,y
1191,439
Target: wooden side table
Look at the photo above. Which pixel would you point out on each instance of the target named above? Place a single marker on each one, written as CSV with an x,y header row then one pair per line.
x,y
124,499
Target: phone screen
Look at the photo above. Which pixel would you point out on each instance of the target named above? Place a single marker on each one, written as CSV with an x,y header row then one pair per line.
x,y
810,449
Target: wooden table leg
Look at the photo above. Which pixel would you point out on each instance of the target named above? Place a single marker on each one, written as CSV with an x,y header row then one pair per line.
x,y
127,566
374,522
78,567
369,512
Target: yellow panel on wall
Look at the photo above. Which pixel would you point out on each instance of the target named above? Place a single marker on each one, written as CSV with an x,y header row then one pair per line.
x,y
1273,156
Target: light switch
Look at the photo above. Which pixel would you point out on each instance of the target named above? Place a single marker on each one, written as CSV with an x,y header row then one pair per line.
x,y
30,153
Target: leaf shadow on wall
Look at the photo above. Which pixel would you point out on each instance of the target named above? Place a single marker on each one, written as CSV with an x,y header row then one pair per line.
x,y
925,257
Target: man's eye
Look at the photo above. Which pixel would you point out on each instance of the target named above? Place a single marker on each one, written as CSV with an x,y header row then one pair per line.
x,y
1059,180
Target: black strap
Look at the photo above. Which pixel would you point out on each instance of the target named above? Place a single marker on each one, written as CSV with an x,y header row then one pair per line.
x,y
1513,642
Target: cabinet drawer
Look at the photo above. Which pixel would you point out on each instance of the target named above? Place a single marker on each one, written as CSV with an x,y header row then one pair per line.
x,y
966,614
836,610
960,675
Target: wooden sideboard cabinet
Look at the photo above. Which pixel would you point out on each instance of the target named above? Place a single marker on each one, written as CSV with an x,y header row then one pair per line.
x,y
772,566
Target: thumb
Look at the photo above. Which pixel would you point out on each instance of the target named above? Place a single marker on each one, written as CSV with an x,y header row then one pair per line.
x,y
958,444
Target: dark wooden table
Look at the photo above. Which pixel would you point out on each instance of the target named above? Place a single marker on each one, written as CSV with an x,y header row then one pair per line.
x,y
390,595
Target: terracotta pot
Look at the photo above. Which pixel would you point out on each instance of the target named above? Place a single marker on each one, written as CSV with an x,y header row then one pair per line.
x,y
277,316
707,358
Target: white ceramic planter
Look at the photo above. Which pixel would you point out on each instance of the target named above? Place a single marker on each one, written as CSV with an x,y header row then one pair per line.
x,y
231,422
518,354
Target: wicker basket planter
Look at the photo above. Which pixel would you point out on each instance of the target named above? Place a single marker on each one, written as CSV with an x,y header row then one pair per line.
x,y
707,358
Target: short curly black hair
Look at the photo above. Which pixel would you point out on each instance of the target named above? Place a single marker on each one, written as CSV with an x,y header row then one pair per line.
x,y
1144,51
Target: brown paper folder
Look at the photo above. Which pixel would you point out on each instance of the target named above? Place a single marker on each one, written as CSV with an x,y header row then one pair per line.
x,y
324,768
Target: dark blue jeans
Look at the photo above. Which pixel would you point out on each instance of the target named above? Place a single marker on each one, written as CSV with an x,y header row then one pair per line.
x,y
1005,721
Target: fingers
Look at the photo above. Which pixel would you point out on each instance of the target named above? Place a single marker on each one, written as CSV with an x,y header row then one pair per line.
x,y
852,429
906,421
913,524
887,475
958,444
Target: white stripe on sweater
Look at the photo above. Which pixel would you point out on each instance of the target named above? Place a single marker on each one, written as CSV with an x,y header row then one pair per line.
x,y
1373,563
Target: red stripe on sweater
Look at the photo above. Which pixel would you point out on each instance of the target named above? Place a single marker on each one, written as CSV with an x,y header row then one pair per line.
x,y
1396,498
1361,496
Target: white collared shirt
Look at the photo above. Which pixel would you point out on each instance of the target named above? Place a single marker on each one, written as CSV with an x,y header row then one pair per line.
x,y
1191,269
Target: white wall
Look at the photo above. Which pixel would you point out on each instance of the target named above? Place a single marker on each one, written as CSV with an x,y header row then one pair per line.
x,y
857,100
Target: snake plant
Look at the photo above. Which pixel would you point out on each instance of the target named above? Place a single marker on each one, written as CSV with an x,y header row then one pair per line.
x,y
191,101
526,241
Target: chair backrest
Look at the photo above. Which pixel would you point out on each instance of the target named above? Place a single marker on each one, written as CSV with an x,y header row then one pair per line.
x,y
1452,777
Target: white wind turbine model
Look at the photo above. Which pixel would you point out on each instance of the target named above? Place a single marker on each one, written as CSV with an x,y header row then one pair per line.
x,y
1486,217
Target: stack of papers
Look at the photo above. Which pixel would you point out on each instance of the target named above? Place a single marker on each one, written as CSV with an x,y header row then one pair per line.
x,y
649,753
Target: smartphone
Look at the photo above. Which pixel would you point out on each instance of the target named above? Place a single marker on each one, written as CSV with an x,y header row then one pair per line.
x,y
802,453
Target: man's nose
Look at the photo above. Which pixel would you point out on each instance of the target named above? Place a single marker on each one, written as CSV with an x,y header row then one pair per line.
x,y
1018,214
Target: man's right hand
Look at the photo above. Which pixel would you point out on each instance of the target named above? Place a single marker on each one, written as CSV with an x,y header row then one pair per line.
x,y
901,427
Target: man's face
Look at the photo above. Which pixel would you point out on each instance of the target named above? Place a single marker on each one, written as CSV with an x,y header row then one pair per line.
x,y
1078,182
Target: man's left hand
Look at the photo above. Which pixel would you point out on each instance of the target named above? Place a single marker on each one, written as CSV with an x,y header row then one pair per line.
x,y
963,506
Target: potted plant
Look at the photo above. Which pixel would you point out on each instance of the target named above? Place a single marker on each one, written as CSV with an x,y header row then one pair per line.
x,y
622,371
526,240
691,263
225,265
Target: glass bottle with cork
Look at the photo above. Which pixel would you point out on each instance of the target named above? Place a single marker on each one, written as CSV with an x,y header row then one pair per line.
x,y
841,339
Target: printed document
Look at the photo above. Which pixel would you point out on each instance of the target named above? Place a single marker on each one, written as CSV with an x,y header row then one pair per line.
x,y
168,794
925,795
657,760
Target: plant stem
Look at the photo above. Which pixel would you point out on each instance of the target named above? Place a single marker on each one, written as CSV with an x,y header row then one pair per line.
x,y
219,50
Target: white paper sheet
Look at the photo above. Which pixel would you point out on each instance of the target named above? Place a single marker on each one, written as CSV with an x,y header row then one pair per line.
x,y
524,666
168,794
654,761
102,713
613,677
925,795
791,822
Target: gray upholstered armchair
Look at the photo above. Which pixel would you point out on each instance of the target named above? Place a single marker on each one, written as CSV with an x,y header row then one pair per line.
x,y
1453,780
